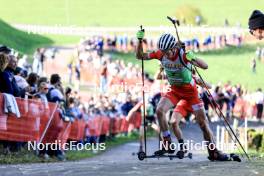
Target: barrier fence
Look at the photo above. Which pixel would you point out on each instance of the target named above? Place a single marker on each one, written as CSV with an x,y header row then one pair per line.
x,y
44,124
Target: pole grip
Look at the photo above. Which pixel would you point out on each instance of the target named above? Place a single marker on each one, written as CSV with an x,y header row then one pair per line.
x,y
172,20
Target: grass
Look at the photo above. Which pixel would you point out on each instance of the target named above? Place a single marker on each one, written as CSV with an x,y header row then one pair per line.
x,y
228,64
122,13
27,43
20,40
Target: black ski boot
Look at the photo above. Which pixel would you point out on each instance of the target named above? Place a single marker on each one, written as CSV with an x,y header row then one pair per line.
x,y
216,155
165,147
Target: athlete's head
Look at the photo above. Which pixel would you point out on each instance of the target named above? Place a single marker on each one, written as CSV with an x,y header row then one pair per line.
x,y
167,44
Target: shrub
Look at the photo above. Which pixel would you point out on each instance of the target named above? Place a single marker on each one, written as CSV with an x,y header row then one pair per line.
x,y
187,14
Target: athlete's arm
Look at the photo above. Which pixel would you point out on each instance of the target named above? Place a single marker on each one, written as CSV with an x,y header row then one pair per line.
x,y
140,53
190,56
202,83
200,63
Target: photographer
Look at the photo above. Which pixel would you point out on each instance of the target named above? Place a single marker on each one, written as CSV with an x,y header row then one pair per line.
x,y
256,24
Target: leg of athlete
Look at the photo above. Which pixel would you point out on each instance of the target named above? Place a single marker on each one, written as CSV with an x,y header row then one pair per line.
x,y
214,154
163,107
177,116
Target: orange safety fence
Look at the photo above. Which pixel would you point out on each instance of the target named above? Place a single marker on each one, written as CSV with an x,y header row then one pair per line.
x,y
116,125
136,120
124,125
3,116
25,128
54,129
43,123
105,127
77,130
64,134
93,127
37,122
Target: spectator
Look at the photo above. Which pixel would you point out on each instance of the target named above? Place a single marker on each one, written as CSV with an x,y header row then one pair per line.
x,y
3,62
5,50
258,53
256,24
42,93
78,74
253,65
20,78
42,79
38,62
55,93
72,110
127,106
32,81
8,82
23,63
226,24
103,78
198,20
68,93
259,100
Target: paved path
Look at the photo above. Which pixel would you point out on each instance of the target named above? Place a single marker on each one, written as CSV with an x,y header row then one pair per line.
x,y
120,161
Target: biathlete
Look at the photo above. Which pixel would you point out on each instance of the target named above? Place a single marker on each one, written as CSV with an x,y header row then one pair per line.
x,y
177,65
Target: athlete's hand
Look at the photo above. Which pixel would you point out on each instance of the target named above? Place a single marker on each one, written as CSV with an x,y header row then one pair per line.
x,y
190,55
161,68
140,34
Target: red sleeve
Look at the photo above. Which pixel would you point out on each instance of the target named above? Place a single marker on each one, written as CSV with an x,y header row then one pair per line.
x,y
155,55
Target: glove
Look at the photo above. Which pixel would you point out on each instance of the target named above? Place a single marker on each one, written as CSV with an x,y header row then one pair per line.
x,y
190,55
180,45
140,35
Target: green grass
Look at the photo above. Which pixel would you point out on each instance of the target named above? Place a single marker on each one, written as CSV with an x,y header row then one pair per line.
x,y
122,12
27,43
20,40
25,156
228,64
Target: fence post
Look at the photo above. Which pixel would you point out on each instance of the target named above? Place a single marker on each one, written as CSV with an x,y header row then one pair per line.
x,y
47,126
246,129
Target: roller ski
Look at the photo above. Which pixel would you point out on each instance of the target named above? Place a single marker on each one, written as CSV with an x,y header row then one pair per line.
x,y
216,155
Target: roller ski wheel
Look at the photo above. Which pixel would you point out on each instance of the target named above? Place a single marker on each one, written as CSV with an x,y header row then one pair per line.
x,y
190,155
141,155
180,154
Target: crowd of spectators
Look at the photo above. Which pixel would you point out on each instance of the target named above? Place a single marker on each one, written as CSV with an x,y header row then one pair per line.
x,y
127,43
